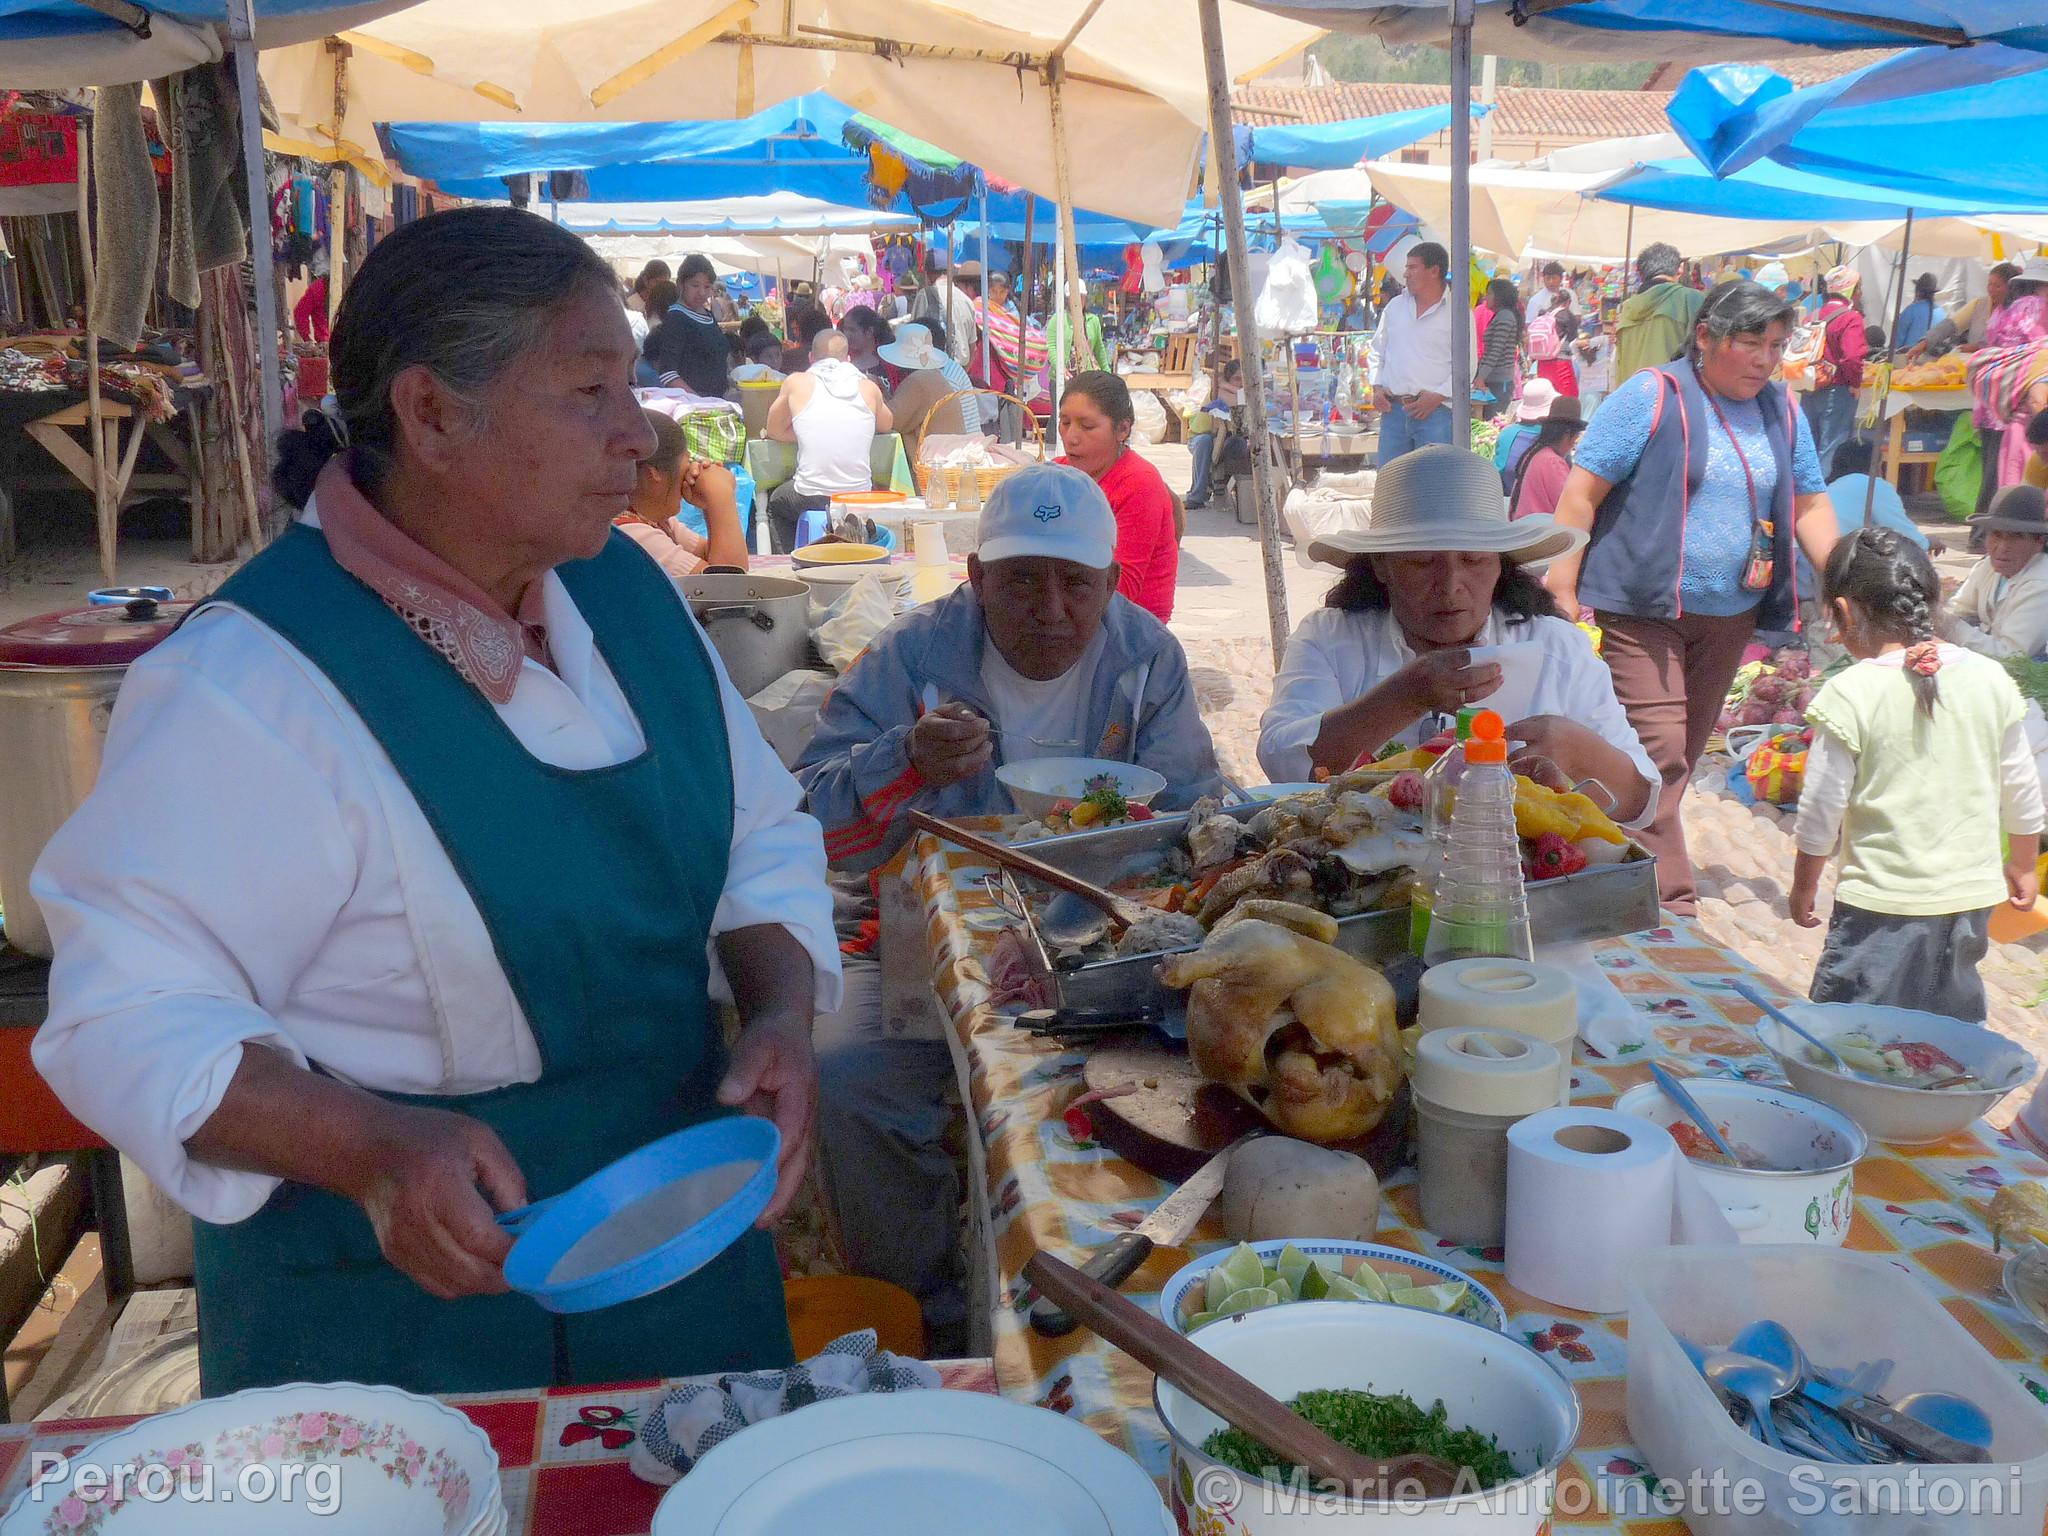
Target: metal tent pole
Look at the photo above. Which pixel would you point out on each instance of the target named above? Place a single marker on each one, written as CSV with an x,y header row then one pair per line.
x,y
1244,307
1461,222
1884,389
987,268
242,29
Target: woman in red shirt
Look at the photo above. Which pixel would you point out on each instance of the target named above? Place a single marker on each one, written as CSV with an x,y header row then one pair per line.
x,y
1095,429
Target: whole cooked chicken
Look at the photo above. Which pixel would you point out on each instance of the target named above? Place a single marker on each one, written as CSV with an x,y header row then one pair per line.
x,y
1302,1031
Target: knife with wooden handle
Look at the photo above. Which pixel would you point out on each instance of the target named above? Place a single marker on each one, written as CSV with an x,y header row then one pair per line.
x,y
1169,1225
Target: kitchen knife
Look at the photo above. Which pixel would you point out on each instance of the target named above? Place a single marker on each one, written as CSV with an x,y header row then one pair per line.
x,y
1896,1429
1168,1226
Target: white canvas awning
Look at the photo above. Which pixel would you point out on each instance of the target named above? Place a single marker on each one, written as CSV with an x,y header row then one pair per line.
x,y
777,213
966,77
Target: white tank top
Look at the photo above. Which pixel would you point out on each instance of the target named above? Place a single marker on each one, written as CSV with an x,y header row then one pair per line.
x,y
834,433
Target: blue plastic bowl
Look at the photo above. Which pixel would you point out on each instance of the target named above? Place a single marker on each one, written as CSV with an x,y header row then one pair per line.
x,y
548,1229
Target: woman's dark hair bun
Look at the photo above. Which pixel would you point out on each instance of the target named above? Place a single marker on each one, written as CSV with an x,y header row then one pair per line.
x,y
302,452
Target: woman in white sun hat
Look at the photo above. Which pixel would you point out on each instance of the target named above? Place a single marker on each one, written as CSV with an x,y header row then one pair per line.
x,y
929,376
1388,658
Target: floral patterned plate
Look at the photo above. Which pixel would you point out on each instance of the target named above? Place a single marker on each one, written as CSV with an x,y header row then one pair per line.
x,y
1181,1298
276,1461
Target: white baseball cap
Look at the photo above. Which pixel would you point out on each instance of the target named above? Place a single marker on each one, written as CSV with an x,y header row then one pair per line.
x,y
1052,510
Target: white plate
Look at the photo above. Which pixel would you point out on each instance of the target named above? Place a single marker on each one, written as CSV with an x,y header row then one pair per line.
x,y
388,1461
915,1464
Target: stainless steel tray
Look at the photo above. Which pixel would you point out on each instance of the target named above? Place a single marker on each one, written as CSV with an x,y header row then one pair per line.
x,y
1598,903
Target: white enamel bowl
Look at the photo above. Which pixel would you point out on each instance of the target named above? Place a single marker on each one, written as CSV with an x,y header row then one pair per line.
x,y
1486,1381
1892,1111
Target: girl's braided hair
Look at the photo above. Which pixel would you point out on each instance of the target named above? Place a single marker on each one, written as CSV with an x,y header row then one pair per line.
x,y
1892,584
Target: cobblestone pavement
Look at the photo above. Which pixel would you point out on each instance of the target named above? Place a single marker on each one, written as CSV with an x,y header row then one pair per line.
x,y
1743,854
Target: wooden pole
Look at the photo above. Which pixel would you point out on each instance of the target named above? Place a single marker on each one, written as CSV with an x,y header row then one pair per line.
x,y
987,271
1073,295
105,521
1247,327
1461,223
242,28
337,185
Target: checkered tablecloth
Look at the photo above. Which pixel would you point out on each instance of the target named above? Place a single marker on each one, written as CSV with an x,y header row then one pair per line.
x,y
1049,1190
562,1454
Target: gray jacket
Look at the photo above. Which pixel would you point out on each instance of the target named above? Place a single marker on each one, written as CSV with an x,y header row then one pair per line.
x,y
857,771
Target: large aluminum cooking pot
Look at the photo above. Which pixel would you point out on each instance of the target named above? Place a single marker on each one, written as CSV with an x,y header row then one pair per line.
x,y
58,677
759,625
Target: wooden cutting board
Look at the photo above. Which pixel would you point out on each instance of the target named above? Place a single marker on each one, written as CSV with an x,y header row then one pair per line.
x,y
1176,1120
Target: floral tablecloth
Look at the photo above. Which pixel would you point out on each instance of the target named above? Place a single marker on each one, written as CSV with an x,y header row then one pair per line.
x,y
561,1454
1049,1189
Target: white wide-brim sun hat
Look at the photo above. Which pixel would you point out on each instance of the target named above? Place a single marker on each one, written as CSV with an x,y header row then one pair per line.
x,y
1446,498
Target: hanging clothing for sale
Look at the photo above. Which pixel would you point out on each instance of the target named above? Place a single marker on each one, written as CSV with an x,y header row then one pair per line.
x,y
125,209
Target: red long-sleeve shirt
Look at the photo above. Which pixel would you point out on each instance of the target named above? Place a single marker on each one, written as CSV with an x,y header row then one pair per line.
x,y
1145,546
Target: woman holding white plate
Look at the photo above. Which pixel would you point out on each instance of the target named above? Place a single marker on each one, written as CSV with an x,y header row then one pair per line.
x,y
1439,608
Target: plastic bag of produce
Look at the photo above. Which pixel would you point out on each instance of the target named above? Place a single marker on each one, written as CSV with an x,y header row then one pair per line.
x,y
1959,472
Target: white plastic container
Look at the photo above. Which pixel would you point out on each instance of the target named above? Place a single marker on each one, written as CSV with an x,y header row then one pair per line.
x,y
1471,1087
1844,1308
1496,993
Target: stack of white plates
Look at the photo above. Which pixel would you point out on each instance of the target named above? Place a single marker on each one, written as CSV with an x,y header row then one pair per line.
x,y
299,1460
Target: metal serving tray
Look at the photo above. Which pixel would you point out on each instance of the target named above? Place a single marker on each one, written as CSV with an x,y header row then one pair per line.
x,y
1597,903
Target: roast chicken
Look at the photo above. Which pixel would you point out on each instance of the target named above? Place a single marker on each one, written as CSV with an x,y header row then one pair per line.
x,y
1302,1031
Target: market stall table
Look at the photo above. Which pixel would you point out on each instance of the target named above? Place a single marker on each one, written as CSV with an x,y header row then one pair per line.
x,y
1045,1187
1897,402
561,1453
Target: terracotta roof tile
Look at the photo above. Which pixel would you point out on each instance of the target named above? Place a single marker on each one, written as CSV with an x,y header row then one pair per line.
x,y
1520,112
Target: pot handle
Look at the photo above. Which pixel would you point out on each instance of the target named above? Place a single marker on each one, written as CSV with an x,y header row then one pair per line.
x,y
738,611
1744,1218
725,570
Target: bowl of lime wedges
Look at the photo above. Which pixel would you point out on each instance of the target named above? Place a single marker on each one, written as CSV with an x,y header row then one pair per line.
x,y
1254,1276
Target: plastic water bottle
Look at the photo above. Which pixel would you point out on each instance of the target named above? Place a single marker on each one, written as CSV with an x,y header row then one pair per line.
x,y
1480,906
1439,793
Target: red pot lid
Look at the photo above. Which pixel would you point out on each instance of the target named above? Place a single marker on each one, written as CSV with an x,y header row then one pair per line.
x,y
89,637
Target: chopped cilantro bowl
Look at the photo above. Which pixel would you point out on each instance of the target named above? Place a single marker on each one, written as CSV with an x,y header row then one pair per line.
x,y
1381,1426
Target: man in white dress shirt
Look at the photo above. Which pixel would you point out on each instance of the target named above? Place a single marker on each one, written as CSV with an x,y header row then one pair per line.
x,y
1411,357
419,856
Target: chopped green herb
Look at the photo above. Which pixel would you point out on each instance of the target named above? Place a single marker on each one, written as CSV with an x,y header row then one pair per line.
x,y
1103,793
1373,1425
2032,677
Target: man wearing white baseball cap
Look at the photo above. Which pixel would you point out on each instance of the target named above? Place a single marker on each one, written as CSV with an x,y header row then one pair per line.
x,y
1037,656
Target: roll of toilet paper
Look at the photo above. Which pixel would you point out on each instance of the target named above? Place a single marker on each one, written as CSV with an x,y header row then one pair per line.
x,y
1588,1191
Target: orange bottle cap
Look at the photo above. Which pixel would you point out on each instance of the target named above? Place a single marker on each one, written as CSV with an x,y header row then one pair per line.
x,y
1488,742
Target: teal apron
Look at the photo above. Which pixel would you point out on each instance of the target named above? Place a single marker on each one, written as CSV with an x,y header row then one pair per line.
x,y
597,888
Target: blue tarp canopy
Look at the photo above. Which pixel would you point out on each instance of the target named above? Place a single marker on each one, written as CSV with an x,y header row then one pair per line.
x,y
1778,193
791,147
1932,123
1689,31
1338,146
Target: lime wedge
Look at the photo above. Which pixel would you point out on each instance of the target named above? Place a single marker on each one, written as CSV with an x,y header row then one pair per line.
x,y
1432,1298
1315,1285
1239,1270
1370,1283
1291,1265
1253,1298
1337,1288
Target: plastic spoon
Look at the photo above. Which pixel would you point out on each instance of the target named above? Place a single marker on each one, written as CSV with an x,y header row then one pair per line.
x,y
1675,1091
1745,990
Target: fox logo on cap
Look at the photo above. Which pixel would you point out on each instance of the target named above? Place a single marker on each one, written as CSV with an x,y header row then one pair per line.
x,y
1046,513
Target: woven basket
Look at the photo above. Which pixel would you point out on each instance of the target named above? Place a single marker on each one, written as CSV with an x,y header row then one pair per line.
x,y
950,478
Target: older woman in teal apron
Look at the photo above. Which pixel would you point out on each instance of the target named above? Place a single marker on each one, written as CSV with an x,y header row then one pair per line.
x,y
422,855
